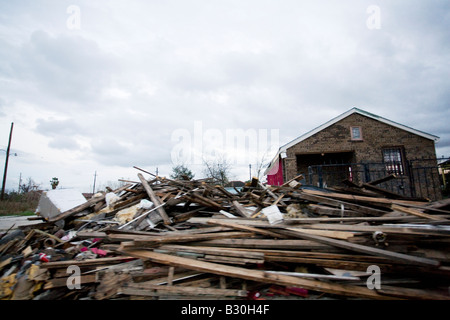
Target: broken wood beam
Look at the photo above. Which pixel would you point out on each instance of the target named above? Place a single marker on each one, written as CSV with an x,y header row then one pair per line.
x,y
155,199
414,212
361,248
256,275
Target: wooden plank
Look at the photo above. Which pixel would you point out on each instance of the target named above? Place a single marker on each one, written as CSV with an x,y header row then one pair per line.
x,y
379,201
241,210
84,263
414,212
382,228
155,290
231,260
384,192
155,199
410,293
266,243
62,282
361,248
256,275
178,238
223,222
216,251
329,211
337,203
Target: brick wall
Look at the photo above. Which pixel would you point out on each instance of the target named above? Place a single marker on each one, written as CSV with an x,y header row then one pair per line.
x,y
376,135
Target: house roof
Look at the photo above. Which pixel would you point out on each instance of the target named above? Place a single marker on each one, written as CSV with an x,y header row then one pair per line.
x,y
305,136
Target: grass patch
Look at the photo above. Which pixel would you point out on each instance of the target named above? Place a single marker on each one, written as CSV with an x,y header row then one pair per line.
x,y
19,204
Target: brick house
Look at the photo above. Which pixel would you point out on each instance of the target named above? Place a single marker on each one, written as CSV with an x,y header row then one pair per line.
x,y
360,146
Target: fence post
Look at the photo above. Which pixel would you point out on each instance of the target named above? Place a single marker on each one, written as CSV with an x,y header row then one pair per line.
x,y
319,173
412,184
366,172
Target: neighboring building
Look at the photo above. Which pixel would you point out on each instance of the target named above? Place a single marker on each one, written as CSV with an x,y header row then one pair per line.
x,y
360,146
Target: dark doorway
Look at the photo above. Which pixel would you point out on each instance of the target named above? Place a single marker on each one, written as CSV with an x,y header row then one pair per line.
x,y
338,162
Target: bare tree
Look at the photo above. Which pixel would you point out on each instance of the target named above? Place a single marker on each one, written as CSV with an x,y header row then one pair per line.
x,y
218,169
29,186
261,165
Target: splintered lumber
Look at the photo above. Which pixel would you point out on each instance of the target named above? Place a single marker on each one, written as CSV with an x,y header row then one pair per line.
x,y
256,275
363,249
155,199
409,293
365,210
240,209
373,200
150,290
62,282
84,263
245,228
267,243
392,229
414,212
141,239
383,192
216,251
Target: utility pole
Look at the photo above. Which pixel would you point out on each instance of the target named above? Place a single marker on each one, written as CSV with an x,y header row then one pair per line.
x,y
250,169
20,182
95,178
6,162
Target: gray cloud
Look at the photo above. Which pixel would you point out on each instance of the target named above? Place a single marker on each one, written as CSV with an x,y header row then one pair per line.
x,y
137,71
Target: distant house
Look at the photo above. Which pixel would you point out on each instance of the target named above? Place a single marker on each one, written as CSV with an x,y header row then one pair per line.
x,y
233,184
360,147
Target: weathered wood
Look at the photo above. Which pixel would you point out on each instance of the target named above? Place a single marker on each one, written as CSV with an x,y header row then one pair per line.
x,y
373,200
407,231
62,282
155,199
414,212
266,243
256,275
384,192
223,222
150,240
361,248
155,291
216,251
337,203
230,260
411,294
84,263
241,210
128,202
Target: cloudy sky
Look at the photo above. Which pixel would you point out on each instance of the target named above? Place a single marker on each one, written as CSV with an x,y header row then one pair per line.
x,y
102,86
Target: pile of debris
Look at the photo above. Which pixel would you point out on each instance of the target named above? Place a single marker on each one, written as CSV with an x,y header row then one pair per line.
x,y
191,239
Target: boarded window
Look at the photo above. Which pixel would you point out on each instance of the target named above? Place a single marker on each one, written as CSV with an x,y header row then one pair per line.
x,y
393,160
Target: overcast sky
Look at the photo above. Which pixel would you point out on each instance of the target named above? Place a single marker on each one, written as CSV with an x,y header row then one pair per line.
x,y
102,86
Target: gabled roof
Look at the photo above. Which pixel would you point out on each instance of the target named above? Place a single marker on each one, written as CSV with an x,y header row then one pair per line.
x,y
305,136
